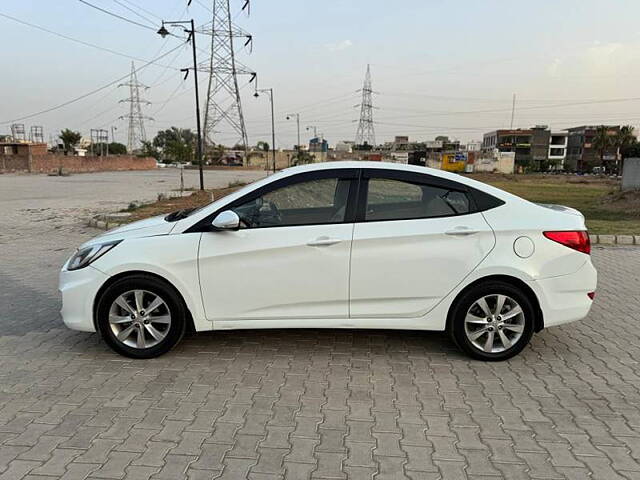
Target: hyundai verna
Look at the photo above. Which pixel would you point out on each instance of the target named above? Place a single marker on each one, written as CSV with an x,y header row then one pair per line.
x,y
339,245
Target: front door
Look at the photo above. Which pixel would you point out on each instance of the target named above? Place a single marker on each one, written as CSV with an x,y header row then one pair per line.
x,y
415,242
290,258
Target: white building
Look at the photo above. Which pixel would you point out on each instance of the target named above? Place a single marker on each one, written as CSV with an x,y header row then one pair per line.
x,y
558,142
344,146
474,146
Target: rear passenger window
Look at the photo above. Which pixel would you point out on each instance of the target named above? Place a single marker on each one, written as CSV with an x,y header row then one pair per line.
x,y
397,200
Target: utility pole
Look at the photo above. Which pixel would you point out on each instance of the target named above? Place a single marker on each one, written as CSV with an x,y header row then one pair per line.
x,y
366,133
273,127
297,115
513,110
136,134
163,32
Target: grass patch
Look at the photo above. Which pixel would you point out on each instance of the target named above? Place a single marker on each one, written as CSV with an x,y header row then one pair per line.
x,y
606,209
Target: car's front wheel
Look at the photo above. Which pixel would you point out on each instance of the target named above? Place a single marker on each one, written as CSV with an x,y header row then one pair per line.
x,y
492,321
141,316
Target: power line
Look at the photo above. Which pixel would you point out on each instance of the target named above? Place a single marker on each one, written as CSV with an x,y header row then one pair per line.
x,y
134,12
139,7
88,94
133,22
72,39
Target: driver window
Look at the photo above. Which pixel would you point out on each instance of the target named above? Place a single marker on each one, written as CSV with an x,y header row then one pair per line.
x,y
304,203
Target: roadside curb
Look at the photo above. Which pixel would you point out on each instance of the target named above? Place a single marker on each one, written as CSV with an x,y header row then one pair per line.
x,y
108,221
615,239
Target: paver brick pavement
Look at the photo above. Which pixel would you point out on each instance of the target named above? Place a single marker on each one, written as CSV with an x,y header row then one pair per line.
x,y
314,404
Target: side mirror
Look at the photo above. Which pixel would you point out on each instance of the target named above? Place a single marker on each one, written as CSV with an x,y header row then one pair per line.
x,y
227,220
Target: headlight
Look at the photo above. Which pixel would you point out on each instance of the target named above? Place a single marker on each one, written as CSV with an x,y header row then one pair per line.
x,y
87,255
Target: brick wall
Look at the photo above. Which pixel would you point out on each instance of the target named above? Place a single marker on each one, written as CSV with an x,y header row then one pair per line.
x,y
50,162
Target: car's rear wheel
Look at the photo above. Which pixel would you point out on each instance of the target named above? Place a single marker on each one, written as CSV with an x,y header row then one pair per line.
x,y
141,316
492,321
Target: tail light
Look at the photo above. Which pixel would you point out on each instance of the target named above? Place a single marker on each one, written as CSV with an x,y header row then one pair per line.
x,y
578,240
591,295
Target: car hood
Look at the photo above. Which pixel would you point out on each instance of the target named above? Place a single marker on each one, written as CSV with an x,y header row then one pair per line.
x,y
148,227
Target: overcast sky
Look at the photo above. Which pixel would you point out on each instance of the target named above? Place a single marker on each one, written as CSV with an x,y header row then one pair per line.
x,y
439,67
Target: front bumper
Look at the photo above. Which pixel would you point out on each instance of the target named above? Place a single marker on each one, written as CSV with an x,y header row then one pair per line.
x,y
564,299
79,289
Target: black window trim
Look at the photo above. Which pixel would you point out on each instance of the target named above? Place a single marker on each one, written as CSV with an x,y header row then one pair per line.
x,y
412,178
353,174
358,190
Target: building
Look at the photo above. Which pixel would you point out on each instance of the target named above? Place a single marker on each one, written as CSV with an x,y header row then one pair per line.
x,y
318,144
345,146
22,148
558,148
582,156
538,147
517,141
474,146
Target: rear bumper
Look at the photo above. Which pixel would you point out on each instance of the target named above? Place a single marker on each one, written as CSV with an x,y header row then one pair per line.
x,y
564,299
79,289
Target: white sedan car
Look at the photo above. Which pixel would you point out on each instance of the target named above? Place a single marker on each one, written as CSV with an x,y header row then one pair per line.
x,y
339,245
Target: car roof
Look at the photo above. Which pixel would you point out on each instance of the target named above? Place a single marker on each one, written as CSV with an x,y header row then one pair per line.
x,y
401,167
313,167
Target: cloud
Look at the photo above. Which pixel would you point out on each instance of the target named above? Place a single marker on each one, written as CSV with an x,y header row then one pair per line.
x,y
338,46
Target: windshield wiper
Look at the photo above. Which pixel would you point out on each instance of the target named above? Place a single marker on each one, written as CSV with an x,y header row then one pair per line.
x,y
179,214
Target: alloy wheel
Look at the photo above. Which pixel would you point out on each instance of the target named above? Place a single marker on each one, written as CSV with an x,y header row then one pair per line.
x,y
494,323
139,319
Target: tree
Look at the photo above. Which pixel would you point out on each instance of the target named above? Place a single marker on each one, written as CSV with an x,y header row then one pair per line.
x,y
602,141
69,139
625,137
149,150
116,148
175,144
302,158
264,146
113,148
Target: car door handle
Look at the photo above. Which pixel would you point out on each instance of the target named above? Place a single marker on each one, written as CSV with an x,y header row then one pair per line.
x,y
323,241
461,231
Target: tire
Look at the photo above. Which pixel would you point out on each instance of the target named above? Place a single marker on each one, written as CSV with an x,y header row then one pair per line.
x,y
484,333
132,331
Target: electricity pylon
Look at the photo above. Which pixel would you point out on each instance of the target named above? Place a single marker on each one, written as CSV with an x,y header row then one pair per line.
x,y
223,95
136,134
366,133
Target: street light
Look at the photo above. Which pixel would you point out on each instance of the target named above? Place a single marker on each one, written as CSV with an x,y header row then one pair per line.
x,y
297,115
273,128
163,32
315,130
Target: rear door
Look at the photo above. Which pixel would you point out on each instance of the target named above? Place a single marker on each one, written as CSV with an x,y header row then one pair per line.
x,y
415,239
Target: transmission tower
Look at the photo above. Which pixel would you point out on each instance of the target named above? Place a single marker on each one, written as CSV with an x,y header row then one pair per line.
x,y
223,95
365,132
136,133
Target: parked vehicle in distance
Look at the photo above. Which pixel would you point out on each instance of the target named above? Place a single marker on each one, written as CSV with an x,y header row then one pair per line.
x,y
339,245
